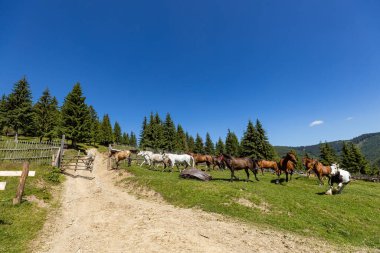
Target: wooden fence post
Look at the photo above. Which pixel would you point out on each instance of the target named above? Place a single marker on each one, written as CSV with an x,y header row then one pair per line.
x,y
61,152
21,185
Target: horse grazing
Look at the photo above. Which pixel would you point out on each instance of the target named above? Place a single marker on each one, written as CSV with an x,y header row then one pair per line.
x,y
321,170
287,164
264,164
340,177
120,155
199,158
217,161
174,159
244,163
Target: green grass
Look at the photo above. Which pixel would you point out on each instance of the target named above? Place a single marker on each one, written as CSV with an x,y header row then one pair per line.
x,y
20,224
351,218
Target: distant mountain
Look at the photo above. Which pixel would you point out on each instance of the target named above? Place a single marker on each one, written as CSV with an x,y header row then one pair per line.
x,y
369,144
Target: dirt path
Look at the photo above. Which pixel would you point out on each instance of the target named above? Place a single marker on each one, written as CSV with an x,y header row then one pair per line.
x,y
97,216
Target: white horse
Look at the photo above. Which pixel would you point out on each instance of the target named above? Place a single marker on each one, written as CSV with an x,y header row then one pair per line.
x,y
155,158
339,176
174,159
146,155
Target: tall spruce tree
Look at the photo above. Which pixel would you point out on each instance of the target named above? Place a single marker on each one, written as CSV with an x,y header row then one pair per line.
x,y
20,113
158,133
232,144
117,133
327,154
143,133
219,147
75,116
181,142
126,139
3,114
199,147
169,134
361,164
46,116
347,158
264,149
248,146
106,131
133,140
209,145
95,126
190,143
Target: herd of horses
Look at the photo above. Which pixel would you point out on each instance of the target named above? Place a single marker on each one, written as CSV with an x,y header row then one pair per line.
x,y
286,165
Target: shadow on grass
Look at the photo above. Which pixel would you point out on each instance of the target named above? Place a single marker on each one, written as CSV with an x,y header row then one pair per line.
x,y
77,176
280,181
229,180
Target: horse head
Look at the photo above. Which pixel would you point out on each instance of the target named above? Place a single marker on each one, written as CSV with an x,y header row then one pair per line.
x,y
290,156
334,169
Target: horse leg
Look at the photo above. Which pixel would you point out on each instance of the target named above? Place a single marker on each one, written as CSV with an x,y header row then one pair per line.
x,y
254,171
232,175
129,161
287,174
246,171
320,179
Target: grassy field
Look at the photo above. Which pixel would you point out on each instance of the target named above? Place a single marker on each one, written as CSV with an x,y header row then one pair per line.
x,y
298,206
20,224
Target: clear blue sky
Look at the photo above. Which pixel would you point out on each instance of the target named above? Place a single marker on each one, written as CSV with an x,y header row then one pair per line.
x,y
212,64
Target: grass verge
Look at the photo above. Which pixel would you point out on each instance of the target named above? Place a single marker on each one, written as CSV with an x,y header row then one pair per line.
x,y
300,206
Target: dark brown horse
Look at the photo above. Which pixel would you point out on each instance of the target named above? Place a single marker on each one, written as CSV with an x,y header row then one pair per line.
x,y
309,164
217,161
244,163
287,164
322,170
264,164
199,158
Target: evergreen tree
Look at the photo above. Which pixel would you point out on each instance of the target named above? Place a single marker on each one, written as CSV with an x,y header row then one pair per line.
x,y
264,149
117,133
95,126
199,147
20,113
4,121
327,154
106,131
347,158
361,164
46,116
209,145
158,133
143,133
190,143
169,134
148,134
219,147
126,139
133,140
75,116
248,145
181,141
232,144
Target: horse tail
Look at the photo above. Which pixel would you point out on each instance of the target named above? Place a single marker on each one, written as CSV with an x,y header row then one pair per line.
x,y
192,159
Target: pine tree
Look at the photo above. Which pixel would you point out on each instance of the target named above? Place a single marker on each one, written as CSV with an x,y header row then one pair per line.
x,y
133,140
209,145
361,164
169,134
158,140
117,133
248,145
46,116
148,134
219,147
95,126
20,113
264,149
327,154
348,159
181,142
3,114
232,144
199,147
126,139
190,143
106,131
143,133
75,116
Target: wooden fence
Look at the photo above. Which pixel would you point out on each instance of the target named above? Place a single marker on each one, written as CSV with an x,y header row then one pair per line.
x,y
34,152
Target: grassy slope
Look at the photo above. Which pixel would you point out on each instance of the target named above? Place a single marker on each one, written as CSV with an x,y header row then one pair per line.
x,y
350,218
20,224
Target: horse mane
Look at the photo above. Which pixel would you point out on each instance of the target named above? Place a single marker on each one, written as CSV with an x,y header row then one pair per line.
x,y
227,156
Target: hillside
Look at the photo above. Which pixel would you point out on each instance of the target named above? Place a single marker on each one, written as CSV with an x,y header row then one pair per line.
x,y
368,143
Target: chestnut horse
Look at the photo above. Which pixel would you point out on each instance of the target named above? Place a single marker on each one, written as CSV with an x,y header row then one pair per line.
x,y
120,155
322,170
309,164
217,161
244,163
287,164
199,158
264,164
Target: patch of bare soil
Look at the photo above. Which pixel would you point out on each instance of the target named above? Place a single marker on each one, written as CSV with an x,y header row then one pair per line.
x,y
98,216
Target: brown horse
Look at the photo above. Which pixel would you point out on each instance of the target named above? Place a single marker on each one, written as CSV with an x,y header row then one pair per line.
x,y
244,163
309,164
287,164
217,161
322,170
120,155
264,164
199,158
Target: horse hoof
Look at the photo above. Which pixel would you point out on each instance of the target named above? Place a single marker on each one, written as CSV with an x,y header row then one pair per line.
x,y
277,181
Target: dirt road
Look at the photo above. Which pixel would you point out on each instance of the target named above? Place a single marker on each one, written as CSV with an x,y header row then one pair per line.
x,y
97,216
